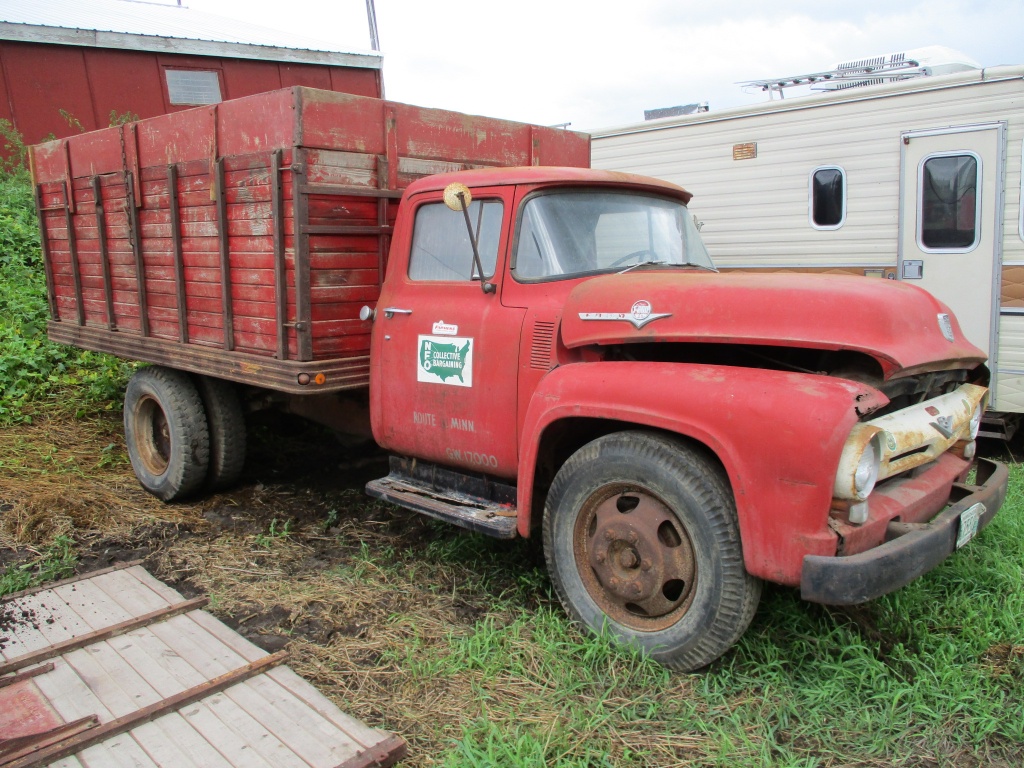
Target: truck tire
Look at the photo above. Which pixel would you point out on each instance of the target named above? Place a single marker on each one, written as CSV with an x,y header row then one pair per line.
x,y
166,433
226,422
641,539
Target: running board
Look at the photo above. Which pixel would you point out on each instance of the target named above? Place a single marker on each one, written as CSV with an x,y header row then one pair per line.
x,y
477,503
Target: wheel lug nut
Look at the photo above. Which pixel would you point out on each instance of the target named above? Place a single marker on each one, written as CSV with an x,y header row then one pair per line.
x,y
646,565
600,557
633,538
609,535
636,587
613,583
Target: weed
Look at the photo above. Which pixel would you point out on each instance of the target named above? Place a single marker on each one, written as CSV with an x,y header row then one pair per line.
x,y
122,118
32,368
15,154
275,533
56,562
72,121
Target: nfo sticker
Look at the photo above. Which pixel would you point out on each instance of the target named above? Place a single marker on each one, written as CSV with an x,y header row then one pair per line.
x,y
445,360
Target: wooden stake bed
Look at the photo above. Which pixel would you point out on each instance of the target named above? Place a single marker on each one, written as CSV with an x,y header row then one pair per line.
x,y
240,240
119,669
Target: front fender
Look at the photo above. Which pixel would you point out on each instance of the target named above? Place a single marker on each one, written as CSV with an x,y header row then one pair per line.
x,y
779,436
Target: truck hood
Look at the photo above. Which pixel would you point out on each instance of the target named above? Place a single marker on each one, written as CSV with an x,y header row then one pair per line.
x,y
901,326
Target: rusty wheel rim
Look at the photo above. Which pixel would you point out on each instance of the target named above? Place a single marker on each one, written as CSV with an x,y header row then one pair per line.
x,y
635,558
153,435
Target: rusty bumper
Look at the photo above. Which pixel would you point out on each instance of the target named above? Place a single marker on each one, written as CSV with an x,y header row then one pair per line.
x,y
894,564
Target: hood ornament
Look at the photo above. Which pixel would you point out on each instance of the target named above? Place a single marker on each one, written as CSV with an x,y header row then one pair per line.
x,y
639,315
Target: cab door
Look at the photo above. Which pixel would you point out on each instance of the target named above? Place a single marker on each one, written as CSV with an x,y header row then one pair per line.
x,y
951,183
445,353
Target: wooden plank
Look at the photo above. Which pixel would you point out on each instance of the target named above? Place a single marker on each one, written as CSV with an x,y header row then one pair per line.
x,y
311,736
70,695
72,248
280,266
119,752
203,719
51,298
179,731
20,637
225,261
51,620
135,236
231,639
80,641
171,740
168,594
300,204
179,258
332,189
134,594
92,604
101,232
223,720
111,680
355,729
148,713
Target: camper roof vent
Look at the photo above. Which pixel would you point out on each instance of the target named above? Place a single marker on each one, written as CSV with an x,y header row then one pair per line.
x,y
888,68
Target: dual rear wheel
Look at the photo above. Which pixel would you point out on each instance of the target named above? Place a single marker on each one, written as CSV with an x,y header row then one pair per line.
x,y
184,434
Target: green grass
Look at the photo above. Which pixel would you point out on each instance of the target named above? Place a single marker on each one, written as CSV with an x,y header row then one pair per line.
x,y
55,562
33,370
930,675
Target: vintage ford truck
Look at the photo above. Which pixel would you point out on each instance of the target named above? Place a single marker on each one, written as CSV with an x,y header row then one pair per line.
x,y
541,348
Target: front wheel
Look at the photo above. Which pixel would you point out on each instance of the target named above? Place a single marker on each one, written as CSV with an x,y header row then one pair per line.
x,y
641,539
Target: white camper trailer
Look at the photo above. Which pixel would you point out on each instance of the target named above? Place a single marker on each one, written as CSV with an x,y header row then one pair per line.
x,y
915,179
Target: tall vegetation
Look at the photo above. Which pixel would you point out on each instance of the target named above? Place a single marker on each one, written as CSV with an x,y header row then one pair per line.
x,y
34,370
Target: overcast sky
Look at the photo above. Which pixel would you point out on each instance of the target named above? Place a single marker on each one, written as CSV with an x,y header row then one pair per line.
x,y
599,63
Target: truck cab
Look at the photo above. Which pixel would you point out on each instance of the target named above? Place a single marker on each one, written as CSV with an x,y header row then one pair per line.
x,y
554,350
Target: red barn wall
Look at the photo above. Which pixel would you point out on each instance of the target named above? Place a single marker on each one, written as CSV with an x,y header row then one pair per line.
x,y
39,80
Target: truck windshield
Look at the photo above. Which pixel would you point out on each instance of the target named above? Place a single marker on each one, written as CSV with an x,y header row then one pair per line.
x,y
577,232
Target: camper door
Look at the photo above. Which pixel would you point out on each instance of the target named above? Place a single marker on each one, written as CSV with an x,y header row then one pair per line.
x,y
951,182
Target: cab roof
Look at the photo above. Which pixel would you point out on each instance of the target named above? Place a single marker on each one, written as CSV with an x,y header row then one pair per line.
x,y
548,175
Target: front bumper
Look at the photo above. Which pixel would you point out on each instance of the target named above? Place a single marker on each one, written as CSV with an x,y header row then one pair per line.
x,y
847,580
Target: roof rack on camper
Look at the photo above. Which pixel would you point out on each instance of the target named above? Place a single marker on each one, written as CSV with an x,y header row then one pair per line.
x,y
887,68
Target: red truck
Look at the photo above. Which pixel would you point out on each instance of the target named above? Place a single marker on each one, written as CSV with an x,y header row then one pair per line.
x,y
549,349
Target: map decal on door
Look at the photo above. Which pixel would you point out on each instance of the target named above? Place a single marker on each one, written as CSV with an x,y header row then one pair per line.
x,y
445,360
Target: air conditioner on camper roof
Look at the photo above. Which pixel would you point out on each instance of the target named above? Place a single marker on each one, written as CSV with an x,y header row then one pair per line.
x,y
890,67
887,68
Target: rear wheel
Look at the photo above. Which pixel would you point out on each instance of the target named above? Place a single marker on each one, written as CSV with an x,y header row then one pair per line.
x,y
165,432
226,421
641,539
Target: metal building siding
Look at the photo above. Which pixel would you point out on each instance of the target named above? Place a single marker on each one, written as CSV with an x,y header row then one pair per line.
x,y
168,21
755,211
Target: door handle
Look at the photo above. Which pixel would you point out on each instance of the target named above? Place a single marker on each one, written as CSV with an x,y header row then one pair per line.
x,y
390,312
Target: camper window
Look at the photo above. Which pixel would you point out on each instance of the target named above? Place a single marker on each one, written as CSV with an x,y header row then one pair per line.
x,y
827,197
948,203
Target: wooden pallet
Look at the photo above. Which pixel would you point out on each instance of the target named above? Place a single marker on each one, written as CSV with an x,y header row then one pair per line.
x,y
116,668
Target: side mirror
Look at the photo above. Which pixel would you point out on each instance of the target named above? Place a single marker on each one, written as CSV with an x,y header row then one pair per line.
x,y
458,197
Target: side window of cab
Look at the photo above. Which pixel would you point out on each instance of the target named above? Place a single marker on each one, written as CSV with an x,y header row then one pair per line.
x,y
441,247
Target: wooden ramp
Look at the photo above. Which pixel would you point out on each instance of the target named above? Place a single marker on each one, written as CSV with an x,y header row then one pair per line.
x,y
115,668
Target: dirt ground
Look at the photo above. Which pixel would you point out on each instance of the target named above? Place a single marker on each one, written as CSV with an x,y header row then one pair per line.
x,y
295,556
365,597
